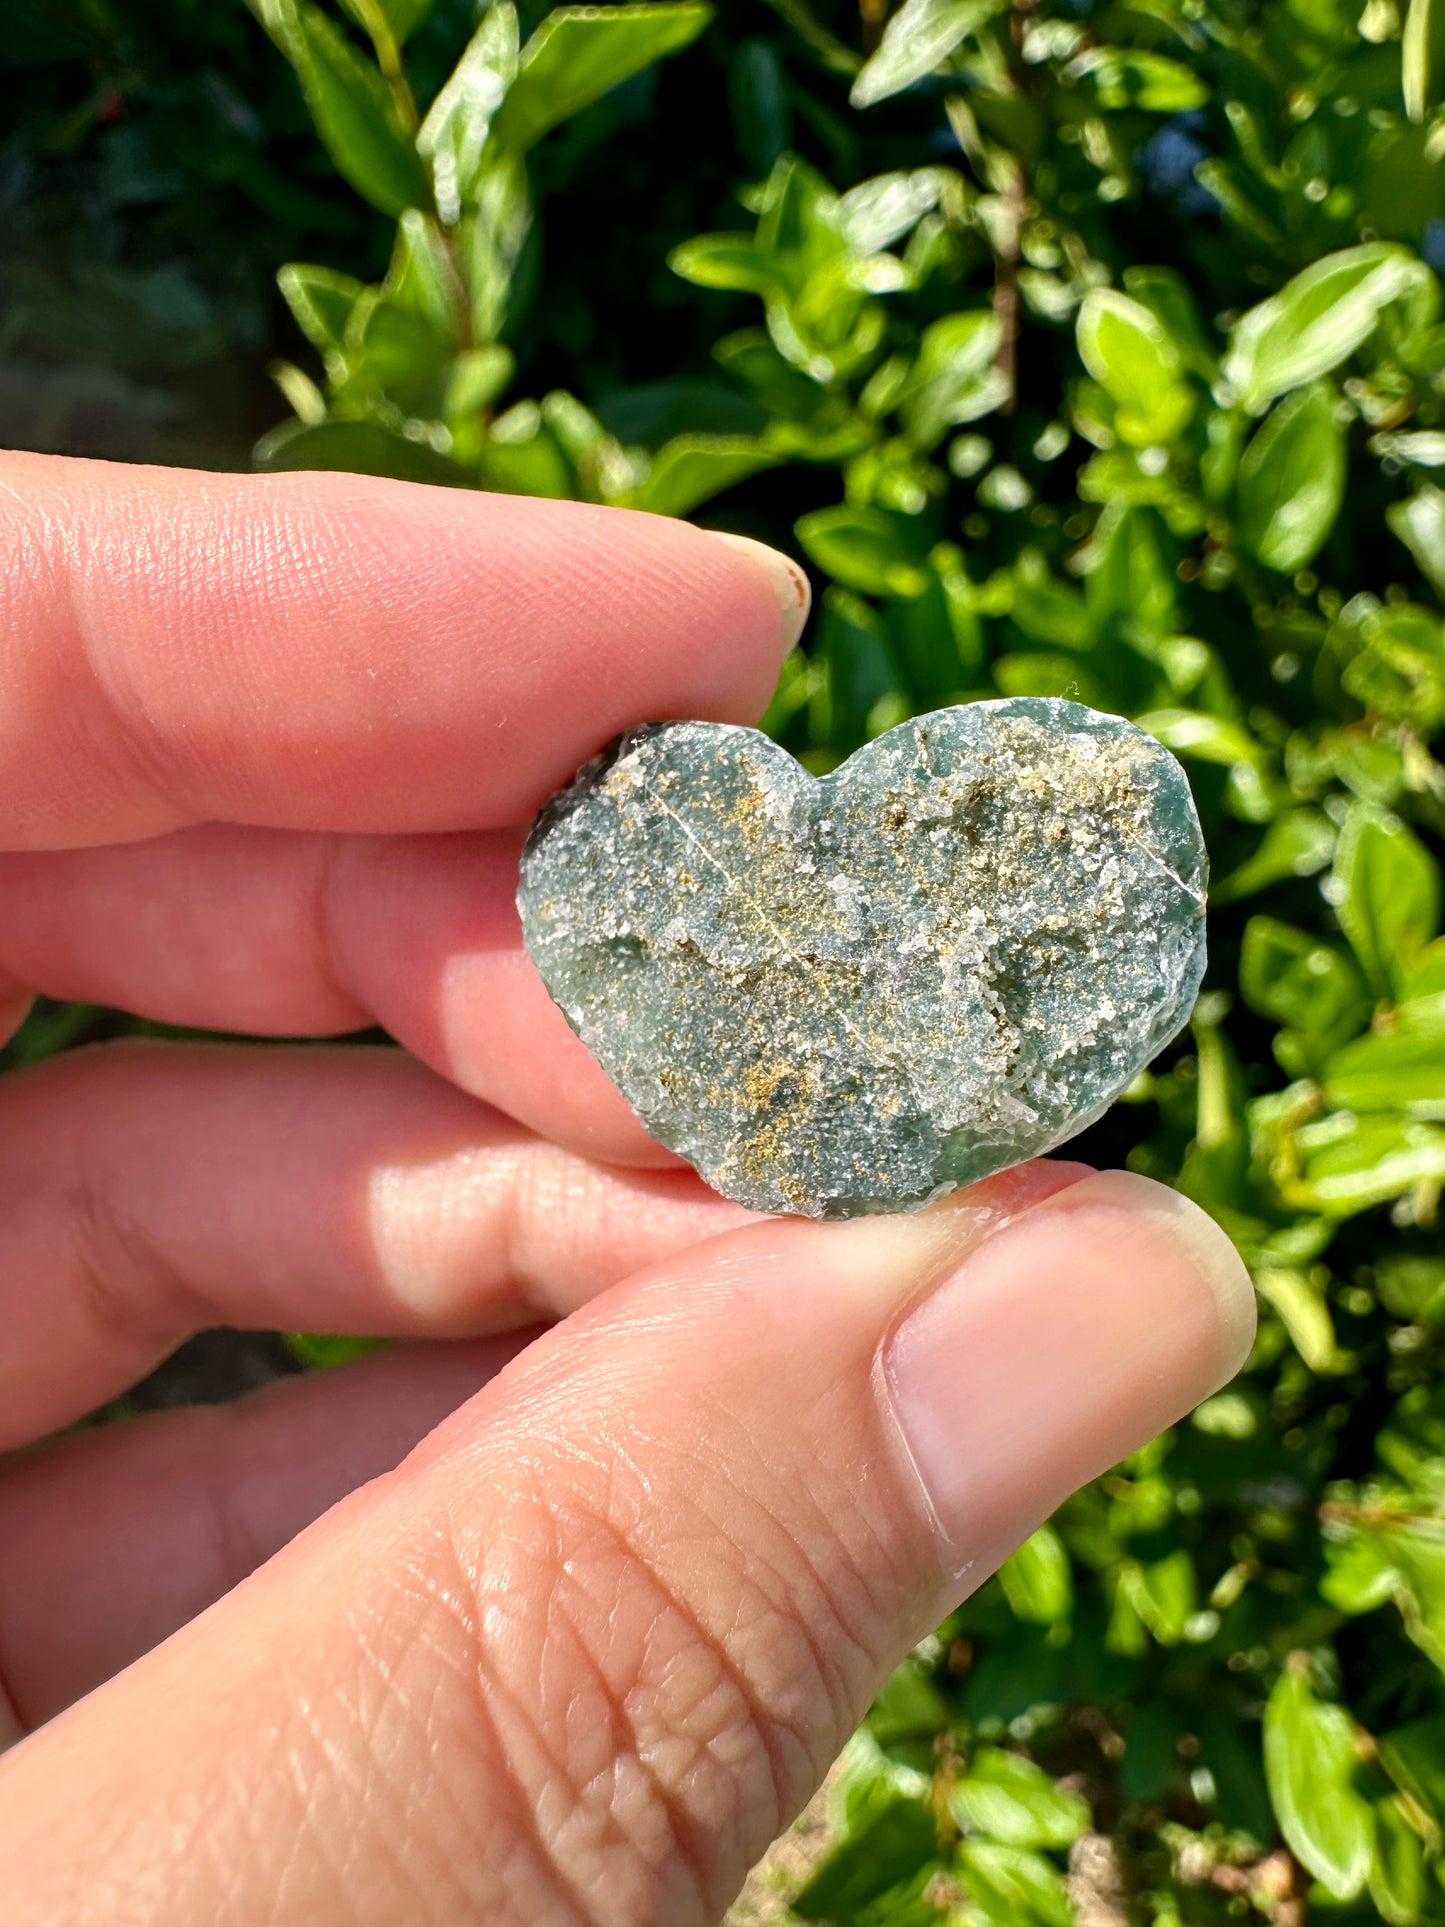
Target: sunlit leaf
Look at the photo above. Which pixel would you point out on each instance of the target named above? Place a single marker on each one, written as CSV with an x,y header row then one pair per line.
x,y
864,549
1037,1580
1007,1798
1397,1068
1292,480
876,1855
1129,352
691,469
454,134
1127,77
364,448
1389,903
1013,1886
953,378
1422,56
578,54
1317,320
921,35
1312,1759
354,111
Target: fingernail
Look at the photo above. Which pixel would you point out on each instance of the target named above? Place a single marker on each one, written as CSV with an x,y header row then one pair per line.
x,y
1057,1344
790,584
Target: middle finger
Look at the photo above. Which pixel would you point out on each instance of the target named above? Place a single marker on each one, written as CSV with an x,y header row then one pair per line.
x,y
277,934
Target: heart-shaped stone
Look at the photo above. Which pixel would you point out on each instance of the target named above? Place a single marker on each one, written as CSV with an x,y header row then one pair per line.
x,y
858,992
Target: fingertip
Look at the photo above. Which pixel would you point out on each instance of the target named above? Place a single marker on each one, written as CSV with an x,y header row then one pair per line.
x,y
1174,1236
786,579
1067,1338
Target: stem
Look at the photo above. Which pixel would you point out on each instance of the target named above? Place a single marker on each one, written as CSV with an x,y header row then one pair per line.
x,y
1337,1512
1006,285
456,286
831,51
872,13
1015,201
388,58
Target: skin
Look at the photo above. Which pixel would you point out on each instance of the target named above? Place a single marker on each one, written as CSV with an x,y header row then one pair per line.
x,y
557,1611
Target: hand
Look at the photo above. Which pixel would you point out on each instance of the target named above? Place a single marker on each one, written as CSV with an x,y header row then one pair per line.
x,y
591,1644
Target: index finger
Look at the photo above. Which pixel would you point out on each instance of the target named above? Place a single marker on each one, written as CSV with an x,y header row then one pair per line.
x,y
325,651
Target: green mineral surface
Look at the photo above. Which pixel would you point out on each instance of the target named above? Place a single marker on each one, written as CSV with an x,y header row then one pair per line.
x,y
857,993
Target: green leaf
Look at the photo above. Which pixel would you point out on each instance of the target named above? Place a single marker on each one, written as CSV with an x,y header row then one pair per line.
x,y
909,1714
1128,351
1009,1799
1399,673
1419,521
953,378
1317,320
891,1844
317,1350
1427,976
398,350
1126,77
322,301
1128,575
1299,843
863,548
1350,1163
351,106
1417,1554
1305,1316
1164,1594
421,276
1167,296
1411,1286
1037,1580
1013,1886
1414,1757
1400,1068
1389,895
454,134
491,237
304,397
1292,480
919,37
852,644
1311,1761
1296,978
691,469
1404,1563
364,448
476,379
724,261
1358,1577
880,211
578,54
1400,1878
1212,739
1422,56
522,457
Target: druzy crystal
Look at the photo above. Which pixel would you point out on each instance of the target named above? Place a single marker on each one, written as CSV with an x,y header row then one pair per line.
x,y
855,993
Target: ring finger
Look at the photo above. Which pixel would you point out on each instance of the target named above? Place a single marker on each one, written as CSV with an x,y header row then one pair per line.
x,y
153,1190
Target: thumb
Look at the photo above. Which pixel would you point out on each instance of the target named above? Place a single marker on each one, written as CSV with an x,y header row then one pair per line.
x,y
590,1648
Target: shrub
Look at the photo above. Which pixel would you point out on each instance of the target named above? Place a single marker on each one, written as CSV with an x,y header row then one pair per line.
x,y
1092,349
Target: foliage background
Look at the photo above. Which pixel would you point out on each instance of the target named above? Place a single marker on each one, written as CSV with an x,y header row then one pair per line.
x,y
1082,346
